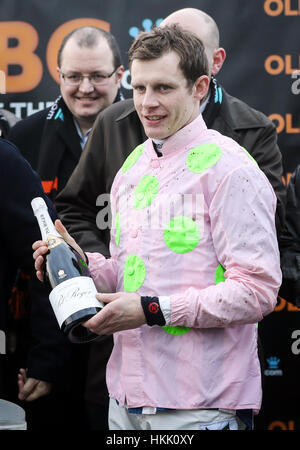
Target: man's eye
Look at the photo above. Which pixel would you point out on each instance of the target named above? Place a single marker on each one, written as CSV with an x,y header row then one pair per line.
x,y
73,77
163,87
139,88
97,77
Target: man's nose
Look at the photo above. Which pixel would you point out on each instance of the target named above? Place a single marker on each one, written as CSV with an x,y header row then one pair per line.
x,y
149,99
86,85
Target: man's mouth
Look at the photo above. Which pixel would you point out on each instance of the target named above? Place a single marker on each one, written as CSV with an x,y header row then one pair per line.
x,y
154,118
86,99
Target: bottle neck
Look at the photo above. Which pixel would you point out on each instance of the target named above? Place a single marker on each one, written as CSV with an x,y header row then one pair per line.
x,y
45,223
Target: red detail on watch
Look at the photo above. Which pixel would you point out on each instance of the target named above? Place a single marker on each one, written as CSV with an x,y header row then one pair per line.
x,y
153,307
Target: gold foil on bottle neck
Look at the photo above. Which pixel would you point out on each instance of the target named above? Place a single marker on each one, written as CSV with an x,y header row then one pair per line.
x,y
53,241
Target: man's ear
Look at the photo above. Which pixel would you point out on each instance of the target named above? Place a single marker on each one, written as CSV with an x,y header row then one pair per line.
x,y
218,60
201,87
58,77
119,74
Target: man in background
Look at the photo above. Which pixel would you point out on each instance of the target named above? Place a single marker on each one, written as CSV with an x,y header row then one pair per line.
x,y
90,72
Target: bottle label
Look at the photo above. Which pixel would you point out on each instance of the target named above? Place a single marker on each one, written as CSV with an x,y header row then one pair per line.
x,y
73,295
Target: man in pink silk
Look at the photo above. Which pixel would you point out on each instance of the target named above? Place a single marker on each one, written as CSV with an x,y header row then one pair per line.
x,y
194,256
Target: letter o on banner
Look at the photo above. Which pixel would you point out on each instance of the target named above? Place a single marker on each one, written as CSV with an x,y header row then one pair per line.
x,y
268,7
58,35
279,63
279,127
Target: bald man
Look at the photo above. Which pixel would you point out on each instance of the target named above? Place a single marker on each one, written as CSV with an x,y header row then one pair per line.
x,y
206,29
118,130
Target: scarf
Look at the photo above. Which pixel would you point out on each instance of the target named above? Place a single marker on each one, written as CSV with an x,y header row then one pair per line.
x,y
60,148
213,106
59,135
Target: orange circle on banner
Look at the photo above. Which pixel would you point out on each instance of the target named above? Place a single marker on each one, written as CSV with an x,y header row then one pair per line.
x,y
281,122
279,64
58,35
273,11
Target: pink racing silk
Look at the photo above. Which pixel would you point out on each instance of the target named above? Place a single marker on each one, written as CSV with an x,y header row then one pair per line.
x,y
196,225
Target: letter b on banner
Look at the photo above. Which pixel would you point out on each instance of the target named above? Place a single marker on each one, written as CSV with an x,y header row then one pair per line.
x,y
21,55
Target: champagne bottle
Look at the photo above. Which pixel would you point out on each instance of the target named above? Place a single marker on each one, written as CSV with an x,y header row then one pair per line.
x,y
73,294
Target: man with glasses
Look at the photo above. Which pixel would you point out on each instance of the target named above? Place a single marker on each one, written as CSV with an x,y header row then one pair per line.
x,y
90,72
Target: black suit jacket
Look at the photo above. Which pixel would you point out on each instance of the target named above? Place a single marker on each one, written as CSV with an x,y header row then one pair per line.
x,y
289,243
18,230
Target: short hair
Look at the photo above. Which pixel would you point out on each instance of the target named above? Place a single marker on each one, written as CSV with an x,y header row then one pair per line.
x,y
161,40
89,37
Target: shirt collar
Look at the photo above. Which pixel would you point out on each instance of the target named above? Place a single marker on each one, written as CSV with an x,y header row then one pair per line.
x,y
158,143
182,138
203,106
83,137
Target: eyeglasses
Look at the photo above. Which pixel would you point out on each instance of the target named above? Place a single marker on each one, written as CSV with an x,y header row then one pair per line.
x,y
96,79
